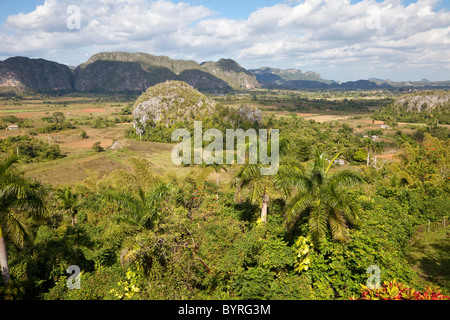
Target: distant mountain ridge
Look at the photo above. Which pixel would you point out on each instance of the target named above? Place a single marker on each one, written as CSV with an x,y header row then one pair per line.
x,y
119,72
18,74
122,72
267,76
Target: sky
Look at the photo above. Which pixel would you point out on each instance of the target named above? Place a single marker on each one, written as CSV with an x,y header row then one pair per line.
x,y
343,40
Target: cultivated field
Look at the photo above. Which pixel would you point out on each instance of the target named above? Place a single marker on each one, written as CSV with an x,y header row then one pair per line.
x,y
80,159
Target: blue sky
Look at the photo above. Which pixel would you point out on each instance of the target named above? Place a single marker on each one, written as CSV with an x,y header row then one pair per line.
x,y
340,39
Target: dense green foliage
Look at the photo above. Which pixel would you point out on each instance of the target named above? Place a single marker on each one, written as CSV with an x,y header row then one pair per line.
x,y
30,149
349,105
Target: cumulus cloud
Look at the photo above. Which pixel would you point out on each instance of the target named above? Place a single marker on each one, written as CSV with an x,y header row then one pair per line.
x,y
340,39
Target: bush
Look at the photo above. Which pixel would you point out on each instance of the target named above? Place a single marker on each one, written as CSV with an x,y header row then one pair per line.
x,y
30,149
395,290
56,127
97,147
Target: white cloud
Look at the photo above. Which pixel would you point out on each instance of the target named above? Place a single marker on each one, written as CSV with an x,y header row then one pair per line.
x,y
321,34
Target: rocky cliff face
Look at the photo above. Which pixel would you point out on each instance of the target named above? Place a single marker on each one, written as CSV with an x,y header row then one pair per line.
x,y
169,103
22,74
118,76
121,71
424,102
270,76
251,114
231,72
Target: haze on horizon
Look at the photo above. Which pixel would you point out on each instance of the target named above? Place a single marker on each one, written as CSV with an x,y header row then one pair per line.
x,y
342,40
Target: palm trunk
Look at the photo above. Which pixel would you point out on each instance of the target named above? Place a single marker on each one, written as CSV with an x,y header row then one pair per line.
x,y
265,204
217,195
73,216
368,157
4,259
237,195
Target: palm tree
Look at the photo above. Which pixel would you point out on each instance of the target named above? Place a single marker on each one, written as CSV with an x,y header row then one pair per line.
x,y
319,195
68,202
18,196
249,177
373,146
140,212
217,169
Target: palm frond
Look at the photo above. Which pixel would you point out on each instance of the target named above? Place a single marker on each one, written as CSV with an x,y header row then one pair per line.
x,y
7,163
22,193
14,225
346,178
290,178
123,199
338,226
298,207
318,223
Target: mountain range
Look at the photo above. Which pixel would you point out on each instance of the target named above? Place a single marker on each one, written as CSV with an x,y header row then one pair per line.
x,y
121,72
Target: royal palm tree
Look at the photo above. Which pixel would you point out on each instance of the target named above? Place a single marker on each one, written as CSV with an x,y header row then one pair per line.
x,y
18,196
249,177
68,202
217,169
320,196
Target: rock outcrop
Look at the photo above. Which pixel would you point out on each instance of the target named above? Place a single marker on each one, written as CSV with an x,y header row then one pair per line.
x,y
251,114
424,102
169,103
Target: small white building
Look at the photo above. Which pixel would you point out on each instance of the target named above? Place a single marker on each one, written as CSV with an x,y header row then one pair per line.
x,y
385,126
13,127
374,138
116,146
339,162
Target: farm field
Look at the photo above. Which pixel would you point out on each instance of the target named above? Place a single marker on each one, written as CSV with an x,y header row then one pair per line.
x,y
79,156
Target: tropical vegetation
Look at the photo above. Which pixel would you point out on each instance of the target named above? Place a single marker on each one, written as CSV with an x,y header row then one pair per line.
x,y
311,231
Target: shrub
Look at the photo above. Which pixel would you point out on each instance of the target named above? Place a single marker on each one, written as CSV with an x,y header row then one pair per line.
x,y
395,290
84,135
30,149
97,147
